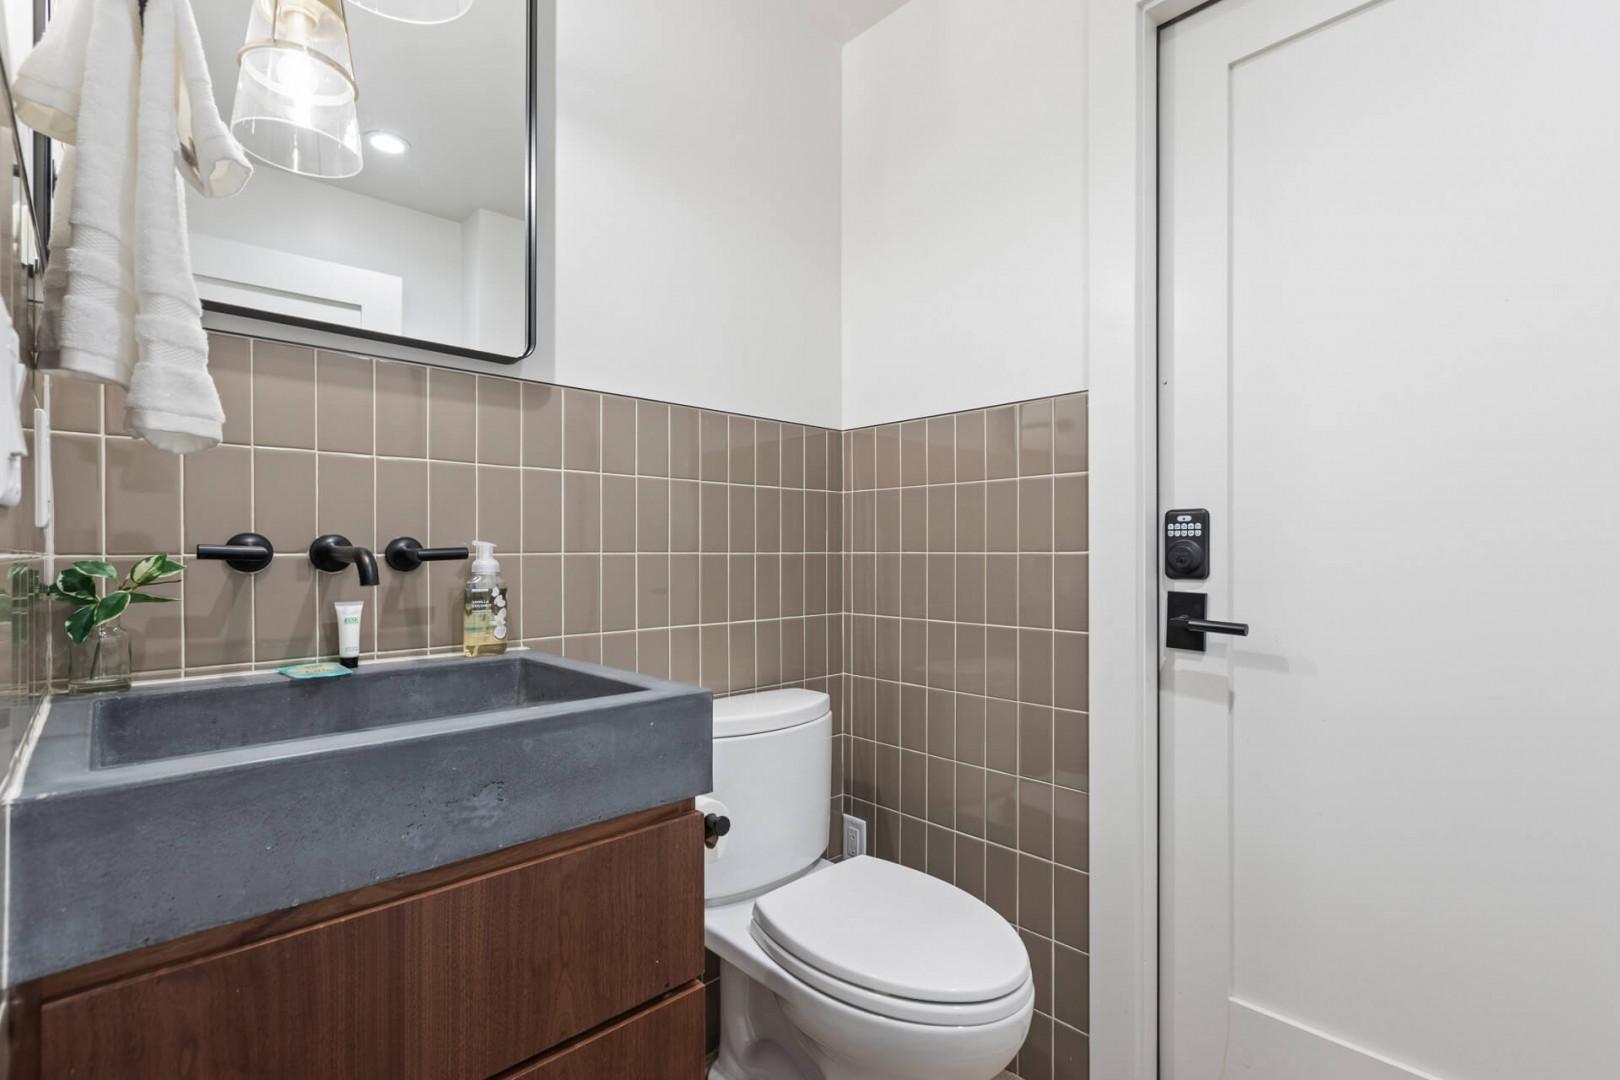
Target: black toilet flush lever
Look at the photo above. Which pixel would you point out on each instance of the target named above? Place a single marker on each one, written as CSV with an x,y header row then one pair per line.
x,y
246,552
714,827
406,553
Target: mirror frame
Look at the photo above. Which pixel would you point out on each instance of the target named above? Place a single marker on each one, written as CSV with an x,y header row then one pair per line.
x,y
292,329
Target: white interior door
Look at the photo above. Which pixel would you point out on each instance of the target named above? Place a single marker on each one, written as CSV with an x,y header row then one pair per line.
x,y
1390,334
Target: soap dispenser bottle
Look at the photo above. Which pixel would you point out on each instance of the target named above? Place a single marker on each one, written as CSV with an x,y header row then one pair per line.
x,y
484,610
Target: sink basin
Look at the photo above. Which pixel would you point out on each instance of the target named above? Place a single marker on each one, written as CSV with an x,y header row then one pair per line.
x,y
144,816
167,723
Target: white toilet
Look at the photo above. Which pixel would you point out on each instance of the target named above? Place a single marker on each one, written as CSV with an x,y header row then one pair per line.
x,y
860,970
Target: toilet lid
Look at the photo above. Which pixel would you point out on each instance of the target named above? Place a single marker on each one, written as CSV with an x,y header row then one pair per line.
x,y
890,929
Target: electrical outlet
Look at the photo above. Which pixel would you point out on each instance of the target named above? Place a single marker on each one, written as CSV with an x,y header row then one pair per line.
x,y
854,836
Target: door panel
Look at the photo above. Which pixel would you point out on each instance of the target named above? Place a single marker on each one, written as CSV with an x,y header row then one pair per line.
x,y
1390,309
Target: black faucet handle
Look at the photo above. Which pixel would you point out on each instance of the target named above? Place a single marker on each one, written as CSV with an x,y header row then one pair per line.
x,y
246,552
406,553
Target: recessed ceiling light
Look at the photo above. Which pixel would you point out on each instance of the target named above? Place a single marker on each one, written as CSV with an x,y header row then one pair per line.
x,y
386,142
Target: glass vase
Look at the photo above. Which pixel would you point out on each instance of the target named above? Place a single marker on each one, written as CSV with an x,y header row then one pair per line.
x,y
101,662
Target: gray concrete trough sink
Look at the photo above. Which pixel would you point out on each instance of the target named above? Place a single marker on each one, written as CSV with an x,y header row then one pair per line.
x,y
172,808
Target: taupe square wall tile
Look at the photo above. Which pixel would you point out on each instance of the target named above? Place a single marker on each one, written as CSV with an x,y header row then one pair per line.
x,y
143,499
218,495
1035,437
343,403
582,430
402,410
618,513
715,444
941,449
500,508
452,504
75,405
1069,434
404,612
283,395
1001,442
340,504
542,510
230,362
500,421
767,453
402,506
542,425
452,415
618,435
284,499
685,445
218,615
741,439
155,630
652,439
284,609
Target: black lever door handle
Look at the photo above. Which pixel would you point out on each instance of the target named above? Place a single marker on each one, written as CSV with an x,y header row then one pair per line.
x,y
1185,626
1210,626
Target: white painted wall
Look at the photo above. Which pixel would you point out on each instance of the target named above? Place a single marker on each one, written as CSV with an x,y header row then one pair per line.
x,y
697,204
492,282
964,258
283,212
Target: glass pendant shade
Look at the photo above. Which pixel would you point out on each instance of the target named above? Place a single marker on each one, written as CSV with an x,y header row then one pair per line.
x,y
295,91
417,11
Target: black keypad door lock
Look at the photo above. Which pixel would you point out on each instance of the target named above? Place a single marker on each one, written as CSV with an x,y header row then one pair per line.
x,y
1186,544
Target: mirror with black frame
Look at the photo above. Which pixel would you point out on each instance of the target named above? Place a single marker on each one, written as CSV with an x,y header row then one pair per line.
x,y
391,205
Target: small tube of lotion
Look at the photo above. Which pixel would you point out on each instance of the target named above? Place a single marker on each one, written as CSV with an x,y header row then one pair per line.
x,y
348,621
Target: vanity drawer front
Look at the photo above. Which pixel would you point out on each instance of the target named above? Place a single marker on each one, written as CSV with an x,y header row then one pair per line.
x,y
662,1042
454,984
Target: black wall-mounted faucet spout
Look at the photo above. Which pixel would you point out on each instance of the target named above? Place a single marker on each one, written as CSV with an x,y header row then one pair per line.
x,y
332,552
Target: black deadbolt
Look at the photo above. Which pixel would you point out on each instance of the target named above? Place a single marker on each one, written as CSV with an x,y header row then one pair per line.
x,y
1186,544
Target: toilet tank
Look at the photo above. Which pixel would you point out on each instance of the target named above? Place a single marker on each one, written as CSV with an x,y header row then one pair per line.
x,y
773,772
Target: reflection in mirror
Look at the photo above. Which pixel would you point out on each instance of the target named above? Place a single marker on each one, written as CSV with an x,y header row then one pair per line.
x,y
392,170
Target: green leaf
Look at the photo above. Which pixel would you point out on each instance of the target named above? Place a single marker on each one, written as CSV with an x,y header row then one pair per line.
x,y
80,622
75,584
146,570
96,568
154,568
112,605
150,598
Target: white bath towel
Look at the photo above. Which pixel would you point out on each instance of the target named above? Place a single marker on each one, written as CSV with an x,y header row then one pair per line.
x,y
141,111
96,339
172,401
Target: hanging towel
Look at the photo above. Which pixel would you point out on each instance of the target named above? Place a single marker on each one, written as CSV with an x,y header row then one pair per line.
x,y
172,401
48,84
142,110
96,336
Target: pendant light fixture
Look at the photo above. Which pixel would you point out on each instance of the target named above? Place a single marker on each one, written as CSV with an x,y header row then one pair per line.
x,y
295,92
417,11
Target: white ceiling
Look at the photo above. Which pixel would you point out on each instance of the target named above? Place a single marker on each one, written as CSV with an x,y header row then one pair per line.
x,y
848,19
456,91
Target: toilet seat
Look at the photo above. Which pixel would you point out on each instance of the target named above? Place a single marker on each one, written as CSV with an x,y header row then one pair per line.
x,y
869,933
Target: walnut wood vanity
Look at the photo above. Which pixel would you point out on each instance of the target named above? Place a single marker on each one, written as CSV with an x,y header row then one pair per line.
x,y
574,957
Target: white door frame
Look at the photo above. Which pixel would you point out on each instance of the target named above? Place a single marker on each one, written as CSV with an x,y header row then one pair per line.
x,y
1121,343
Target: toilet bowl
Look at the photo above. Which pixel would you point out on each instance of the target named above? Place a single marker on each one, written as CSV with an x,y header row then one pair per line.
x,y
860,970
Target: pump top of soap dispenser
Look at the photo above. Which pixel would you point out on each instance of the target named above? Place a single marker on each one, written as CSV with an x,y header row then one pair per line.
x,y
484,559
